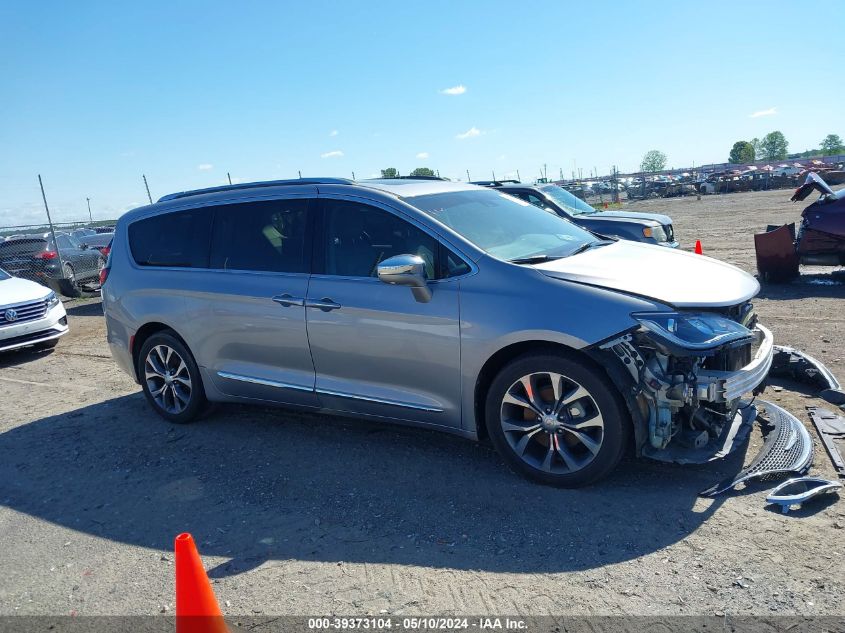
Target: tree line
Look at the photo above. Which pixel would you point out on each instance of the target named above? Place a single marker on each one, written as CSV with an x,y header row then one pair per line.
x,y
774,146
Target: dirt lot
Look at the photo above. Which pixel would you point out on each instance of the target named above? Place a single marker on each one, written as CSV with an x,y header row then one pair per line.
x,y
303,514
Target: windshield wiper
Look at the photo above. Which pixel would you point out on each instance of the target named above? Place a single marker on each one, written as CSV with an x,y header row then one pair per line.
x,y
589,245
535,259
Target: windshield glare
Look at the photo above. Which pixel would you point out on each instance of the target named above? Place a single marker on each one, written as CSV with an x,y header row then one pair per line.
x,y
567,200
503,226
4,274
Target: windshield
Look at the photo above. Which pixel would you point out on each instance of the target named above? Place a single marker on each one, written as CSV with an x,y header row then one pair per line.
x,y
502,225
568,201
4,274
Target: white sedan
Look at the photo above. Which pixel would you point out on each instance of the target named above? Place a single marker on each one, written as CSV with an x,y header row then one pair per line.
x,y
30,314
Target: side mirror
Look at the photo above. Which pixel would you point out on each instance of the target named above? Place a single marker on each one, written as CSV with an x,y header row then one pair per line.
x,y
406,270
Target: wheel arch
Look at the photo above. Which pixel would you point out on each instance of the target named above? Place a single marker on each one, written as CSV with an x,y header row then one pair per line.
x,y
145,332
503,356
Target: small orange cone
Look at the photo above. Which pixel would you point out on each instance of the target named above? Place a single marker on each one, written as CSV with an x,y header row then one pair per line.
x,y
605,205
196,607
698,250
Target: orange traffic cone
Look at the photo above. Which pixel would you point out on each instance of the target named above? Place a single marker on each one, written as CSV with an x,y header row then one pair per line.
x,y
605,205
196,607
698,250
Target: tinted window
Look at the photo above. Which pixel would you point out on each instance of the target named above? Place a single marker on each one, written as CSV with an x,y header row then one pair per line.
x,y
264,236
172,239
359,236
63,241
22,247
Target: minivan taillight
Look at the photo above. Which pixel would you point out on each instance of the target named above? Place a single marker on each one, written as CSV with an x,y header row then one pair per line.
x,y
104,274
106,250
47,255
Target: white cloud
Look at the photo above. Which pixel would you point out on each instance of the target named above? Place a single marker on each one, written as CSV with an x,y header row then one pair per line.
x,y
760,113
422,155
334,133
333,154
454,90
470,133
205,166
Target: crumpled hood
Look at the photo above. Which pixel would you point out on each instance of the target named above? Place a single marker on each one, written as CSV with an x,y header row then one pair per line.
x,y
631,215
677,278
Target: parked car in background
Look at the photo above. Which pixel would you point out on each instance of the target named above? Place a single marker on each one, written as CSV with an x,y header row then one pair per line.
x,y
30,314
80,233
436,304
104,229
99,241
650,228
39,258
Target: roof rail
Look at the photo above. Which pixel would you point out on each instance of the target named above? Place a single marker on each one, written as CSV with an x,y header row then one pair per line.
x,y
413,178
258,185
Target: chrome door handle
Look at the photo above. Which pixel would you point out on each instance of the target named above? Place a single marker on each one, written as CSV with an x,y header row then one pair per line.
x,y
325,304
287,300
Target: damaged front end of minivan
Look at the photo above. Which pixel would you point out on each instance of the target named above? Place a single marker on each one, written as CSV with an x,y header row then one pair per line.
x,y
684,374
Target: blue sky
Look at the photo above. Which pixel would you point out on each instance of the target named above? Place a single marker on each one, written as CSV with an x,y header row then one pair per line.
x,y
96,93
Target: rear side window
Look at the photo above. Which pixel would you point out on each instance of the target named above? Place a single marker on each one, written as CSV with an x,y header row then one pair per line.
x,y
177,239
267,236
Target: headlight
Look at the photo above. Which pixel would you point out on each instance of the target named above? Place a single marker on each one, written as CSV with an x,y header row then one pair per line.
x,y
696,331
52,300
655,232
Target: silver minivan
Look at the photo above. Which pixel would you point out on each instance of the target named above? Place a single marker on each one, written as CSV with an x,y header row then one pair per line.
x,y
437,304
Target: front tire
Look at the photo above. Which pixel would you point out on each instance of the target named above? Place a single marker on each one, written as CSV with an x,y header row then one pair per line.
x,y
556,420
171,379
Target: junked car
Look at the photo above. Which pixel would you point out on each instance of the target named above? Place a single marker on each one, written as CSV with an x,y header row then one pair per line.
x,y
62,263
436,304
820,240
651,228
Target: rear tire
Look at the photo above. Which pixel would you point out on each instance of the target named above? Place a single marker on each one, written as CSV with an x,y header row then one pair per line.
x,y
556,420
171,379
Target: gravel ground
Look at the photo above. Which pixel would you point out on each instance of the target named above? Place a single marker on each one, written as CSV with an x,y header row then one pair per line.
x,y
306,514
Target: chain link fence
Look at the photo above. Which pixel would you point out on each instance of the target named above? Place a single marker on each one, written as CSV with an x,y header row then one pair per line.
x,y
66,257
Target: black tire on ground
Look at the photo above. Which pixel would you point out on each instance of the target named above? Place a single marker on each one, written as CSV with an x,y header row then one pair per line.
x,y
605,396
196,403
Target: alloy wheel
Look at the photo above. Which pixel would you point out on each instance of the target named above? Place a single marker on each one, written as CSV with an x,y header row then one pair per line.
x,y
552,422
168,379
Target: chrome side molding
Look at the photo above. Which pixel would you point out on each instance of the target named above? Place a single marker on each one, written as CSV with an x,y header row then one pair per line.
x,y
262,381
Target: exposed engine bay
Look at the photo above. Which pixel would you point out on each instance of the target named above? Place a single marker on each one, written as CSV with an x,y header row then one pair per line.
x,y
686,375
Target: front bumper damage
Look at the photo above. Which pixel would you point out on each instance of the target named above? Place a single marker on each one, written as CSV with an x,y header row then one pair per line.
x,y
687,404
728,386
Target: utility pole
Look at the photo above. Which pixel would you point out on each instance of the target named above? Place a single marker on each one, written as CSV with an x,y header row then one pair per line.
x,y
229,176
149,197
545,172
494,173
50,222
300,174
353,175
517,176
90,217
468,178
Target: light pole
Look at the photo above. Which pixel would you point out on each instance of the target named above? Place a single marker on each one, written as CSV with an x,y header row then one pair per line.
x,y
90,217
